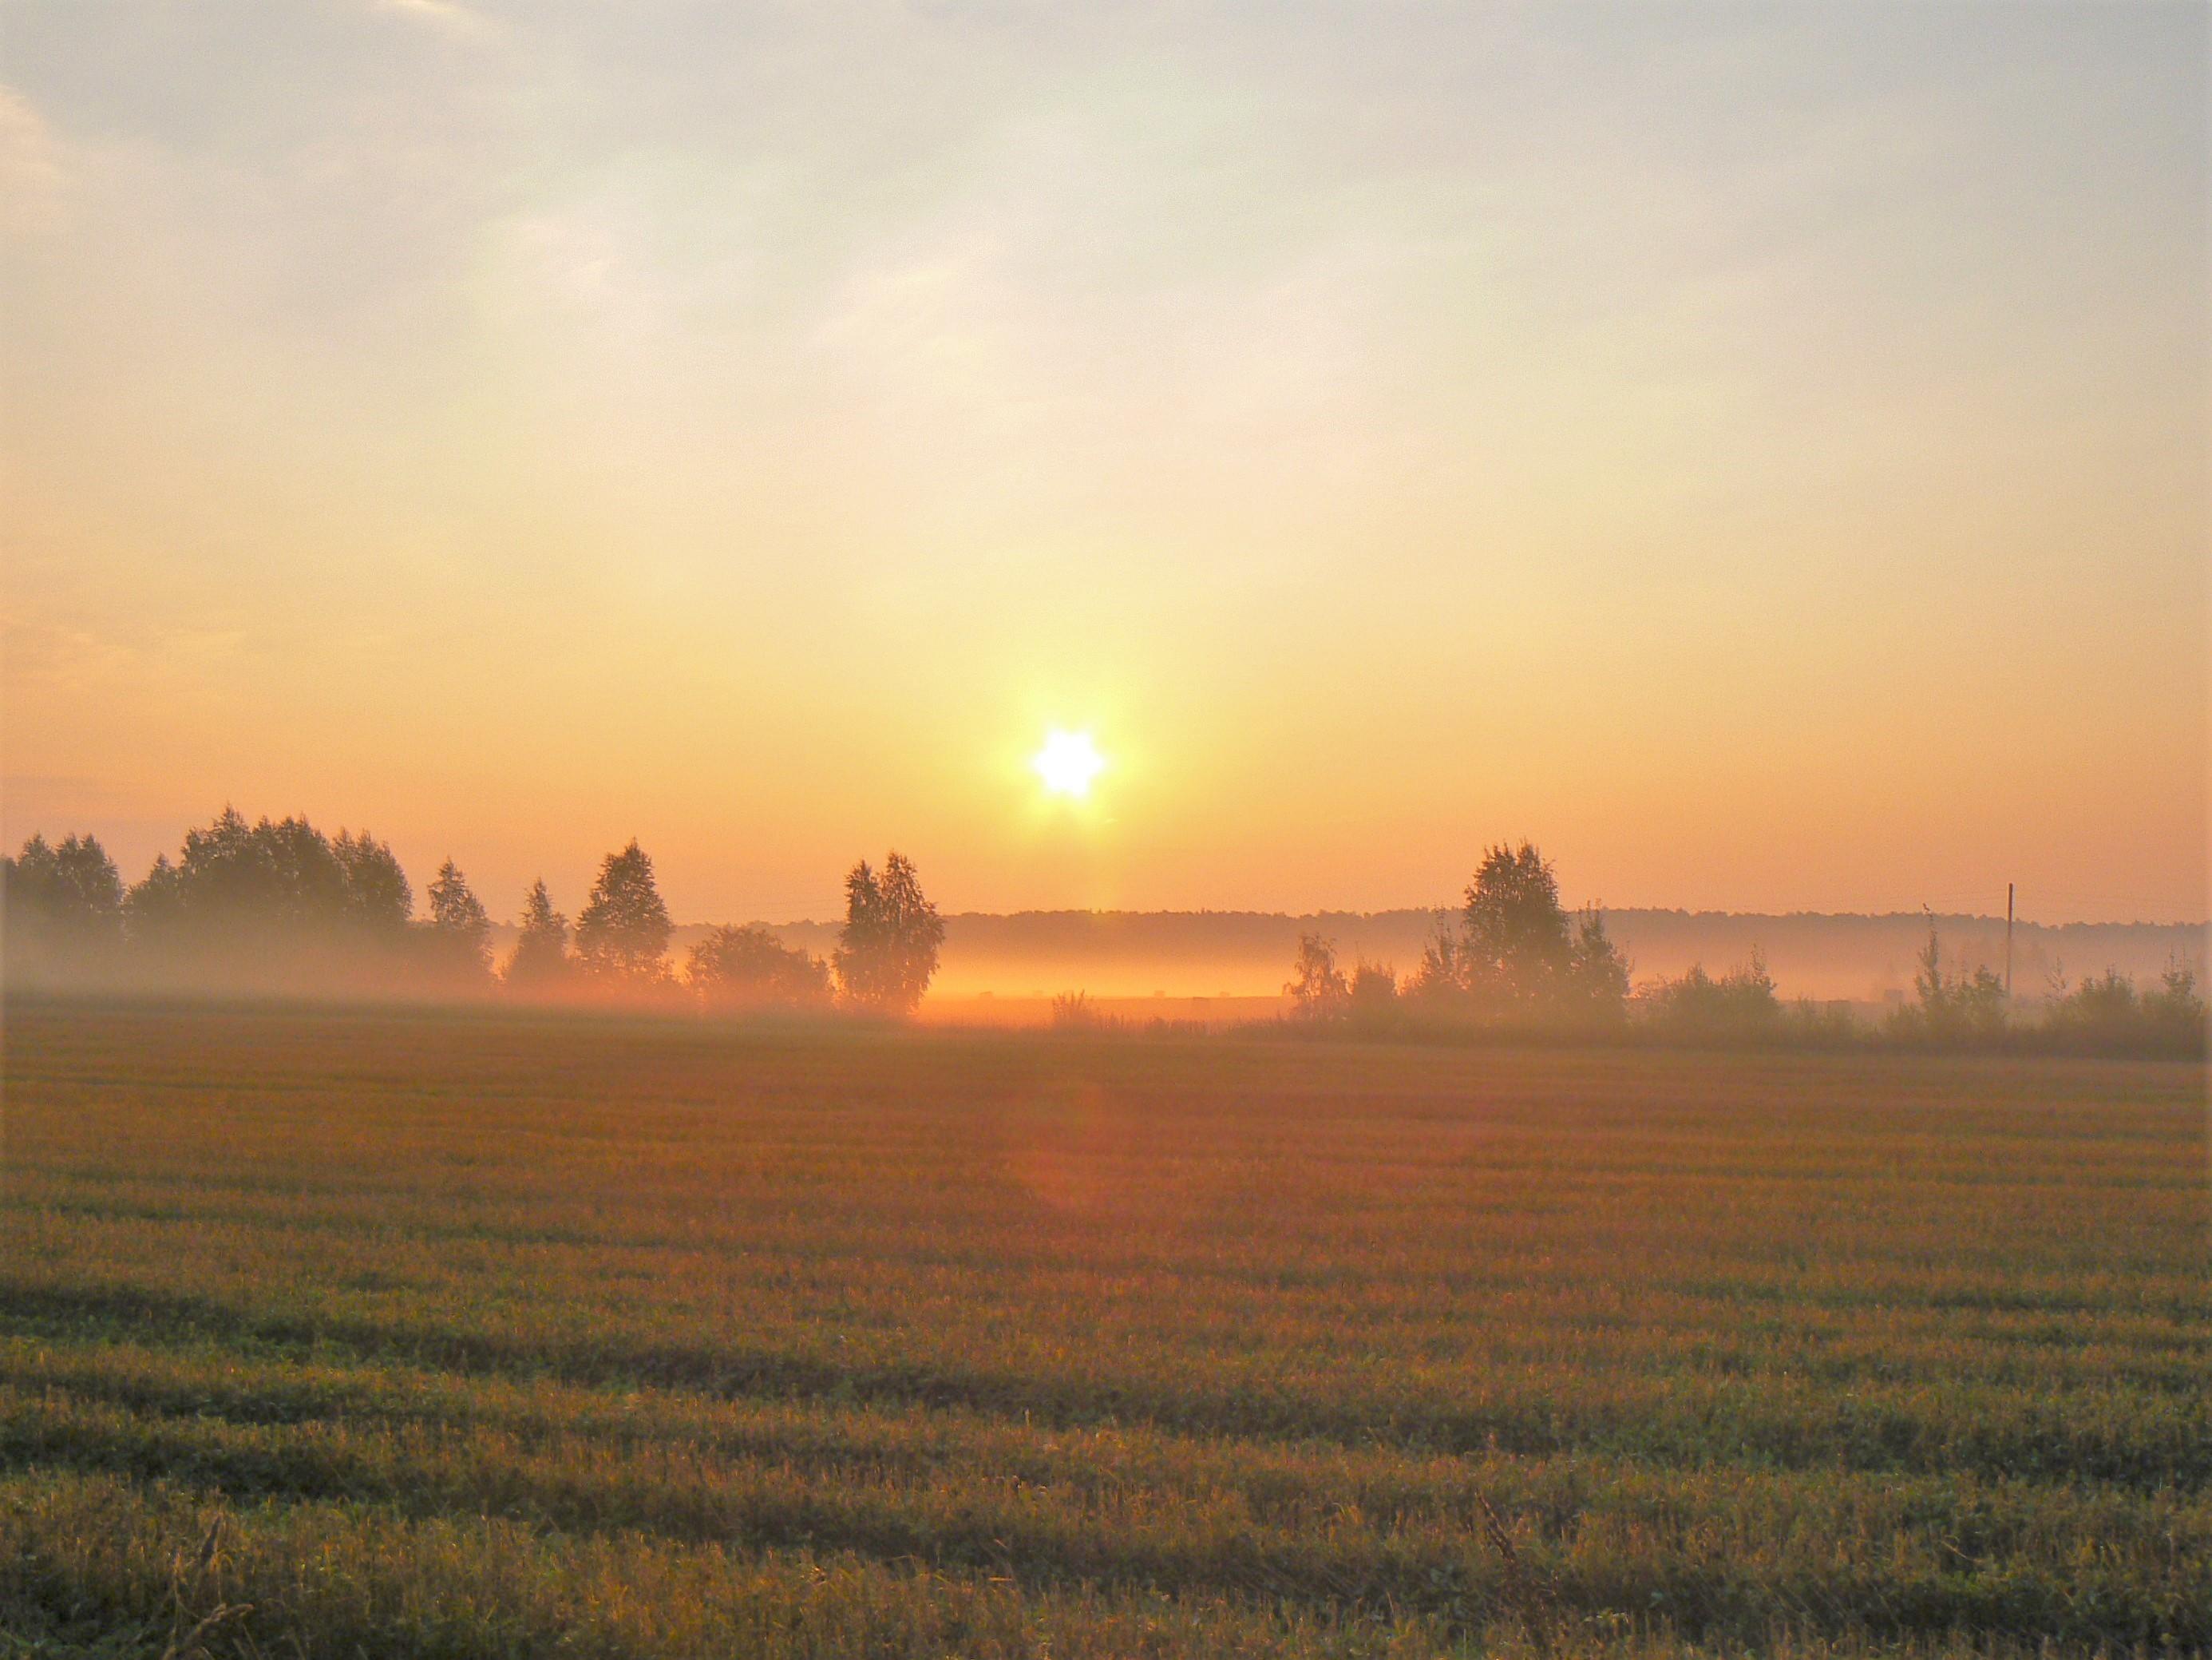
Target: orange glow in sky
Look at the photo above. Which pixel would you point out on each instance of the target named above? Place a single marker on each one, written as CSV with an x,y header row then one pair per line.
x,y
1760,454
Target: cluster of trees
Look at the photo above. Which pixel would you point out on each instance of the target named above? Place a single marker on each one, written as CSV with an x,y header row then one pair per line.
x,y
1513,956
254,901
278,906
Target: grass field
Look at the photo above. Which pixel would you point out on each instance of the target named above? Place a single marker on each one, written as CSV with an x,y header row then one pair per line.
x,y
460,1335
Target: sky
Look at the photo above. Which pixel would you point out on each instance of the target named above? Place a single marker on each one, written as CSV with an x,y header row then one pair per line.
x,y
1758,452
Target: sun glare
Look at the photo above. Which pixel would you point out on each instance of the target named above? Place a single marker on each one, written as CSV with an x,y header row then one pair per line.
x,y
1068,762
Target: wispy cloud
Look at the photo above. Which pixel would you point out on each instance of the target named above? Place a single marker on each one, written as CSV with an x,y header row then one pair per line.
x,y
31,175
446,15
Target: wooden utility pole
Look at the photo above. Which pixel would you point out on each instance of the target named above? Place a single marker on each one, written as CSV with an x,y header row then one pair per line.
x,y
2007,942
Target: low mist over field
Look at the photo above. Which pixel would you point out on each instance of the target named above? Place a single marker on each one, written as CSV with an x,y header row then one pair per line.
x,y
1125,954
279,907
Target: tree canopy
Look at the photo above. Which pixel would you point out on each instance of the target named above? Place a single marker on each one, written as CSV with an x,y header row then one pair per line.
x,y
63,905
1514,953
258,901
541,960
623,932
1317,989
459,928
888,948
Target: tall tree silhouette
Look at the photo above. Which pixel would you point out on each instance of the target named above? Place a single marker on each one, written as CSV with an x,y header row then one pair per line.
x,y
887,950
1317,989
623,931
541,958
460,930
1516,938
1519,947
1515,950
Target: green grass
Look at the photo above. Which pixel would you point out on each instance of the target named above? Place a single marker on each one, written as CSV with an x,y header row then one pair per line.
x,y
495,1335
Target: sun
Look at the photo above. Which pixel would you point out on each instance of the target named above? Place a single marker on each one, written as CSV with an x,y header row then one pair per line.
x,y
1068,762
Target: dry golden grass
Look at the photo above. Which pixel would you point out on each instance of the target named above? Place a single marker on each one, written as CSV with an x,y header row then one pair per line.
x,y
492,1335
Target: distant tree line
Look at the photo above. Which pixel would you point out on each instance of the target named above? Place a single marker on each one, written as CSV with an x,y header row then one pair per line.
x,y
277,906
1514,959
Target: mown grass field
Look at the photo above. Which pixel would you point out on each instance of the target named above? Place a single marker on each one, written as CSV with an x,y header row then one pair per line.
x,y
496,1336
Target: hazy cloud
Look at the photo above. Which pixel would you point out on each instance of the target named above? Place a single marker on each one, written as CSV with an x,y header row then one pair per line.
x,y
32,176
1558,413
447,14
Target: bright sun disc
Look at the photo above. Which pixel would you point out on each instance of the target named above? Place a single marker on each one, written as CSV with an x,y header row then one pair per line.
x,y
1068,763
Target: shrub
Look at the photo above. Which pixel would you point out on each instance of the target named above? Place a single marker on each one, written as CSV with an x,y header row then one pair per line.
x,y
2105,1015
1952,1009
1741,1004
1371,1003
1074,1011
750,969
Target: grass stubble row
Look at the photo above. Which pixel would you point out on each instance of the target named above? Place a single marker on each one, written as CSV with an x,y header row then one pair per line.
x,y
475,1335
